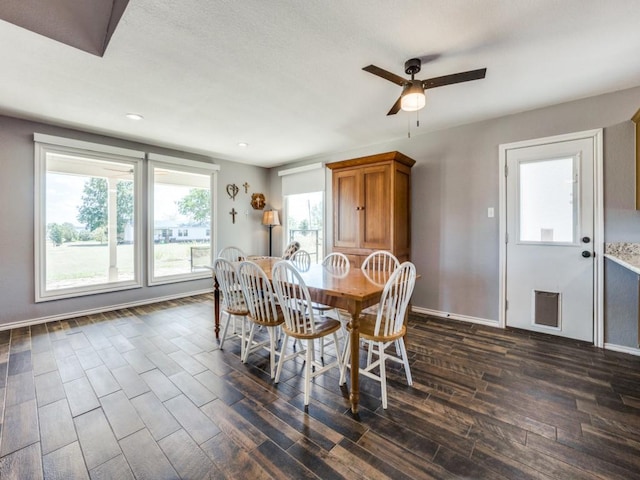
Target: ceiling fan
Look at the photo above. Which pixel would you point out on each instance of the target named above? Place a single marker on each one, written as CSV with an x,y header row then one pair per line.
x,y
412,97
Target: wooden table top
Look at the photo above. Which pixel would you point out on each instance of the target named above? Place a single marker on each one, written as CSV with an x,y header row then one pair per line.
x,y
351,284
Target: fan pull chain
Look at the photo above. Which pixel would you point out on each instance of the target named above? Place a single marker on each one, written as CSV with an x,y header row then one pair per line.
x,y
408,126
417,118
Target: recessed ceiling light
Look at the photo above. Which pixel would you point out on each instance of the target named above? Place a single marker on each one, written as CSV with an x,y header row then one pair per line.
x,y
243,144
134,116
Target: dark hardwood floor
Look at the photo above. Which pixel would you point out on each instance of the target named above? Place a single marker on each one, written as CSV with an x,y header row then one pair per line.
x,y
146,393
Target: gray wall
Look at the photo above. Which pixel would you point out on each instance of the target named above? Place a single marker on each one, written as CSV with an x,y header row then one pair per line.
x,y
622,222
454,244
455,179
17,235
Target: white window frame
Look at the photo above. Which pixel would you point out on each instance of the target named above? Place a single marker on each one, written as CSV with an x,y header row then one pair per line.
x,y
189,166
44,144
301,177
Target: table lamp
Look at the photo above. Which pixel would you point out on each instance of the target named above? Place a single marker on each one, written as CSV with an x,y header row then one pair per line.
x,y
270,219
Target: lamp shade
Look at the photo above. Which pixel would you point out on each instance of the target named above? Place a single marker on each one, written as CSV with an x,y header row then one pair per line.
x,y
270,218
413,97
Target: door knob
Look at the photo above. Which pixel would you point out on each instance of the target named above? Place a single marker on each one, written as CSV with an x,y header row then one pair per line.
x,y
586,253
586,239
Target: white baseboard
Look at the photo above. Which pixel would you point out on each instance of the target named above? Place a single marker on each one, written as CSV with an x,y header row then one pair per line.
x,y
453,316
93,311
622,349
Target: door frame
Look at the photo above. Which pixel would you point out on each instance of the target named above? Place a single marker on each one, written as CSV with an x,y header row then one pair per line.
x,y
598,223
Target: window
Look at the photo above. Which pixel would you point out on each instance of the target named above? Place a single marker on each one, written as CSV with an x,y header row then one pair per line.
x,y
87,215
548,213
304,222
181,207
303,192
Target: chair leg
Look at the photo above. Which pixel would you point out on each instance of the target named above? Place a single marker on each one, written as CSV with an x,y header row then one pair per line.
x,y
281,360
272,350
246,348
383,375
369,352
307,372
224,330
405,361
345,361
242,339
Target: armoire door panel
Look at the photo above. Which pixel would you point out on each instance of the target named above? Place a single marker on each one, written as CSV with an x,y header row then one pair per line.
x,y
402,211
376,227
346,212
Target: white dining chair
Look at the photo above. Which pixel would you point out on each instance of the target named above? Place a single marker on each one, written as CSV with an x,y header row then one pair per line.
x,y
336,261
232,254
387,327
263,311
301,323
336,264
233,303
302,260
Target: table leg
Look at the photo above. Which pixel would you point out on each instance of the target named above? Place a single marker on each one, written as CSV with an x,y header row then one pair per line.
x,y
216,306
354,331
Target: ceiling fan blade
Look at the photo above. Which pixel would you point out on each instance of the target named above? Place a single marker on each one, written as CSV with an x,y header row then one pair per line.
x,y
392,77
454,78
396,107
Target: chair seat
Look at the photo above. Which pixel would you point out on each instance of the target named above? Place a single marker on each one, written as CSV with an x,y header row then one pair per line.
x,y
367,327
325,326
241,312
274,323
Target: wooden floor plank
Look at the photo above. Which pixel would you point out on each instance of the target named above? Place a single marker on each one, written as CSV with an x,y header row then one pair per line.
x,y
96,438
232,460
155,416
485,403
115,468
56,426
192,419
186,456
22,464
19,427
121,414
146,459
65,463
80,396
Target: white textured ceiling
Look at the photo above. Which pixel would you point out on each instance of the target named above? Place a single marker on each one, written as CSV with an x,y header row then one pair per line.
x,y
286,76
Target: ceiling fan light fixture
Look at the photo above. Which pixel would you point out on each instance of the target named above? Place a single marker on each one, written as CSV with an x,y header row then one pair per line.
x,y
413,98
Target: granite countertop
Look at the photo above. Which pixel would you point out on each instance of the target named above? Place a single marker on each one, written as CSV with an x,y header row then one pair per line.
x,y
625,254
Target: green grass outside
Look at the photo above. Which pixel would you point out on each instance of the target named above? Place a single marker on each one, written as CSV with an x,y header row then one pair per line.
x,y
86,263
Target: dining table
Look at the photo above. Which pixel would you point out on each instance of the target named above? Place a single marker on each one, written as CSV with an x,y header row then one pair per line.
x,y
348,289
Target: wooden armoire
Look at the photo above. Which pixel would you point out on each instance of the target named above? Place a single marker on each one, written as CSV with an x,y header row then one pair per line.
x,y
372,206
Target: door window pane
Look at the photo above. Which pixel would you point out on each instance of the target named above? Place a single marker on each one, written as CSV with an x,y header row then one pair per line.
x,y
547,210
181,224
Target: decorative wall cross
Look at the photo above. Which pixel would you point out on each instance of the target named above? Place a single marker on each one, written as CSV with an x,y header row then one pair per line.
x,y
232,190
246,187
233,214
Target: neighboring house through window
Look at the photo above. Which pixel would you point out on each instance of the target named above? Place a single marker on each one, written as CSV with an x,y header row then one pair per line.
x,y
181,207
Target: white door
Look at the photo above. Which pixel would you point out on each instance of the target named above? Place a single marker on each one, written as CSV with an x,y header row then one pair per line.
x,y
550,238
